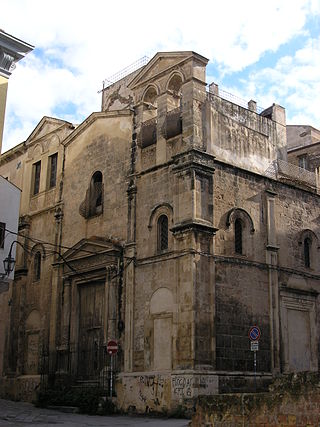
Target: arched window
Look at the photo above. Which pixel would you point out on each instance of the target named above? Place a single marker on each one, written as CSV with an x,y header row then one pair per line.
x,y
238,236
163,233
37,266
174,85
306,251
148,133
240,240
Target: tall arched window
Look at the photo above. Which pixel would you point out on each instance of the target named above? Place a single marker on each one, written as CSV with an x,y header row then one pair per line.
x,y
306,251
163,233
37,266
238,236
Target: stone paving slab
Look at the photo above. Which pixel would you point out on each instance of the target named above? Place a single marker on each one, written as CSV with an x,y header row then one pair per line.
x,y
21,414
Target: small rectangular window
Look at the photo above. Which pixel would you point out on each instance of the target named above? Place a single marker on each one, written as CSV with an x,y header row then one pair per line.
x,y
36,177
2,233
303,161
53,161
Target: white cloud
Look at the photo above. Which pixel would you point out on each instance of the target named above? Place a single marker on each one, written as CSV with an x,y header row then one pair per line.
x,y
294,83
78,44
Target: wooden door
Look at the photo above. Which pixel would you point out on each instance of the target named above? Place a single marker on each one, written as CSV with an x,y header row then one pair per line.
x,y
91,327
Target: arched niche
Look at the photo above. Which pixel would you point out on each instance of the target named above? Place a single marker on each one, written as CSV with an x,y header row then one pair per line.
x,y
149,99
33,321
174,86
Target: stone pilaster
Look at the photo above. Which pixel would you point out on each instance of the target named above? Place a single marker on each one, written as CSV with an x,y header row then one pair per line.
x,y
193,104
112,302
161,150
193,230
130,251
272,261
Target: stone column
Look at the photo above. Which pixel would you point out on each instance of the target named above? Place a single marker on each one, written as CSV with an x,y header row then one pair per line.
x,y
272,261
130,251
278,115
161,151
136,125
112,302
54,302
193,104
193,230
74,326
66,312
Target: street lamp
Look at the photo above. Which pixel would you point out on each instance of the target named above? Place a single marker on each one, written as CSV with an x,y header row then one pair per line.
x,y
8,263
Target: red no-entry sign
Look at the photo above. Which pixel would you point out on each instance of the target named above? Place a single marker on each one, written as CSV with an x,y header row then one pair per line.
x,y
112,347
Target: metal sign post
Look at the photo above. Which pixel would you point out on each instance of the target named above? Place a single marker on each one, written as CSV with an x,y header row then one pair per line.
x,y
112,349
111,375
254,336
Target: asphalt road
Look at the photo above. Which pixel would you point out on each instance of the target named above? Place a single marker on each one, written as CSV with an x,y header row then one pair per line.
x,y
21,414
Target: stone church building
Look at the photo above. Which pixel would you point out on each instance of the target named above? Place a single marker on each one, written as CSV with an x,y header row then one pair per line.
x,y
170,222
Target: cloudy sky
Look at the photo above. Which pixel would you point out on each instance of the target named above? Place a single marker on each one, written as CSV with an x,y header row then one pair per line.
x,y
263,50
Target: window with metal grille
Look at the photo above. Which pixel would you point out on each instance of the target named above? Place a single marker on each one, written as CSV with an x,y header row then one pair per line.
x,y
53,161
163,233
2,234
238,236
306,251
37,266
36,177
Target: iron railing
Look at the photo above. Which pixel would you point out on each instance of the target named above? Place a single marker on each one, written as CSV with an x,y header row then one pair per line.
x,y
234,99
82,368
284,171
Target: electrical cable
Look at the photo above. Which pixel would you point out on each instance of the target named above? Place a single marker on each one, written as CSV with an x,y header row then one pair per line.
x,y
35,240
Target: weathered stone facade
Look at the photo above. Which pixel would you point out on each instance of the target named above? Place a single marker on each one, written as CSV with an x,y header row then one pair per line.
x,y
171,230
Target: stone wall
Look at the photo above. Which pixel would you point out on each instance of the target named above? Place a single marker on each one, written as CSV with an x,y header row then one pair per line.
x,y
293,401
163,391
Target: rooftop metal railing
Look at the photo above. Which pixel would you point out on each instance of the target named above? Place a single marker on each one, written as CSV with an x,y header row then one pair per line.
x,y
281,170
235,100
125,71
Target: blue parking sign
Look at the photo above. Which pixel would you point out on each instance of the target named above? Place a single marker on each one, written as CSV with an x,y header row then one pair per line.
x,y
254,333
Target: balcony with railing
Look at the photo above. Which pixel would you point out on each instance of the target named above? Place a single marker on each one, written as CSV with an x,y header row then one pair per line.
x,y
292,174
173,123
148,133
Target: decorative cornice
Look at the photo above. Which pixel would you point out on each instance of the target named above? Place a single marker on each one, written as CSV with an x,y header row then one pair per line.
x,y
11,51
195,159
193,226
272,248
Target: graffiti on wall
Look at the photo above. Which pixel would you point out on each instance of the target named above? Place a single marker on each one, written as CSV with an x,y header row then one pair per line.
x,y
151,388
188,386
182,385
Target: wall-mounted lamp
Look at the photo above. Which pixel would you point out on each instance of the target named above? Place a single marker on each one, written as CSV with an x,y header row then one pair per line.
x,y
8,263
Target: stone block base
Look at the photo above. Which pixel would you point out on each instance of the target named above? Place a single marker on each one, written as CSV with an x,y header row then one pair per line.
x,y
163,392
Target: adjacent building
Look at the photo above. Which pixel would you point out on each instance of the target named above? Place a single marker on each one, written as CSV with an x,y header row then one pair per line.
x,y
171,222
9,217
12,50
